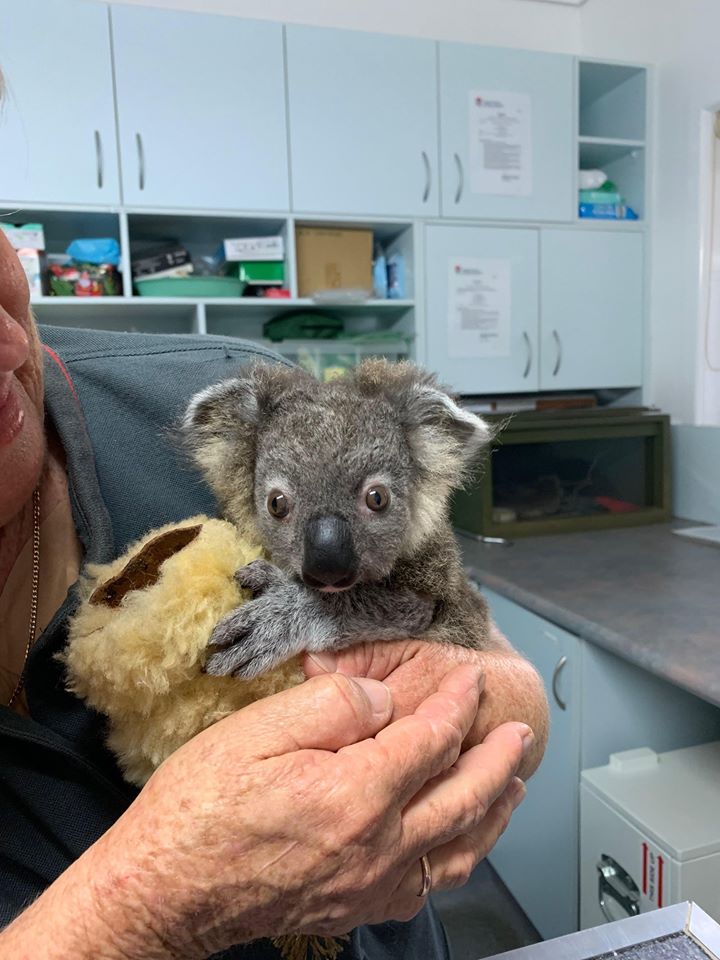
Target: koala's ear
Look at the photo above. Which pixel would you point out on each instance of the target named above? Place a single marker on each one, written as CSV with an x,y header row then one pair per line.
x,y
448,439
445,439
220,429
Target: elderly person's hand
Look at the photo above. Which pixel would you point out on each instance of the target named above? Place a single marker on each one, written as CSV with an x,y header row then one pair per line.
x,y
304,812
412,669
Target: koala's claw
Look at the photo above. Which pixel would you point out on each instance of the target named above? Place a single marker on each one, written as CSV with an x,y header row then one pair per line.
x,y
223,664
250,640
257,576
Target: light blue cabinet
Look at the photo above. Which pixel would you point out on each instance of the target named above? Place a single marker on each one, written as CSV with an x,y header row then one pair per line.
x,y
537,857
201,110
481,311
363,123
57,123
599,704
591,289
515,158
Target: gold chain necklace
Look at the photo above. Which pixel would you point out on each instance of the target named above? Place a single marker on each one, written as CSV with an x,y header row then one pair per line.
x,y
35,591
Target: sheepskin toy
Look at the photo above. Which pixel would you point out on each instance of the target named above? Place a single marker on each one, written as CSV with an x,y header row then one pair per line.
x,y
138,643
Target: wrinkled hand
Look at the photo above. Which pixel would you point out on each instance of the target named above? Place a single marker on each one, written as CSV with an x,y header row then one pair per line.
x,y
412,669
304,812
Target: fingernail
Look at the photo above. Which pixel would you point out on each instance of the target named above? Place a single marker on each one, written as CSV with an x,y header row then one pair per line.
x,y
325,661
528,737
519,791
378,695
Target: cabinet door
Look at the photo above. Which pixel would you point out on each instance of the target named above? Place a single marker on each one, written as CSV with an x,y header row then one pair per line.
x,y
591,309
57,123
363,123
625,707
506,133
537,857
482,307
201,110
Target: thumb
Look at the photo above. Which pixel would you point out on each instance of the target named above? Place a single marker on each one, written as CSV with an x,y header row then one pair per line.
x,y
324,713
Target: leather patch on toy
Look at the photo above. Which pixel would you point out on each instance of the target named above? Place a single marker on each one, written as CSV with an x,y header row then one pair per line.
x,y
143,570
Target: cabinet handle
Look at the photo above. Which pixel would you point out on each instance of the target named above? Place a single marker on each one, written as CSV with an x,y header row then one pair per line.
x,y
461,177
428,177
528,347
556,676
99,159
141,161
558,345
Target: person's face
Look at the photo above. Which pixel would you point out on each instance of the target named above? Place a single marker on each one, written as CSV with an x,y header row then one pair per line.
x,y
22,441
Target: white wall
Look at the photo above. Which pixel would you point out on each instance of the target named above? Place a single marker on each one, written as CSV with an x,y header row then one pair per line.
x,y
681,38
507,23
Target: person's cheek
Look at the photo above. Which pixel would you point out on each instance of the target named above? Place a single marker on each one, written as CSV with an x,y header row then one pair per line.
x,y
30,374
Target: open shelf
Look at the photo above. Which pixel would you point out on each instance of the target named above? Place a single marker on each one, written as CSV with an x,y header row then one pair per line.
x,y
612,129
612,100
229,316
115,314
599,151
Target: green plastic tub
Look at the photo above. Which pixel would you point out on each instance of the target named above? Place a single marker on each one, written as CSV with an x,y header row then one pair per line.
x,y
190,287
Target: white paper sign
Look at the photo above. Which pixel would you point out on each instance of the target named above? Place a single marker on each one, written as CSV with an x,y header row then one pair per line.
x,y
478,308
500,143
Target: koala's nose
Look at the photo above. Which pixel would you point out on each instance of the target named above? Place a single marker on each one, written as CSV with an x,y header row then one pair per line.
x,y
329,558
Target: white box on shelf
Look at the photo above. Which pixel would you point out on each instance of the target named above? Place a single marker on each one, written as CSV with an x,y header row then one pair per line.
x,y
22,235
253,249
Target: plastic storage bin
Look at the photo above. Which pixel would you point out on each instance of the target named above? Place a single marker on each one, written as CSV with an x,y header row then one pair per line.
x,y
190,287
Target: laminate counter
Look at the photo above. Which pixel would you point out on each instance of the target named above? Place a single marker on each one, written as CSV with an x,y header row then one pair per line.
x,y
642,593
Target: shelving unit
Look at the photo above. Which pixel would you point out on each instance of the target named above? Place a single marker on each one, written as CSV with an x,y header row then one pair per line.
x,y
390,322
205,173
612,127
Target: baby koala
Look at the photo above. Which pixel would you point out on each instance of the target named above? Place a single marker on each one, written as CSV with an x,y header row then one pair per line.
x,y
346,485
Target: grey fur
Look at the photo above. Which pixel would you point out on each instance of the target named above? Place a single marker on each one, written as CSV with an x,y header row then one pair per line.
x,y
323,446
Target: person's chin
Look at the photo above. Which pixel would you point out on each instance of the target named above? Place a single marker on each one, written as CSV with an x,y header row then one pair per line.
x,y
22,447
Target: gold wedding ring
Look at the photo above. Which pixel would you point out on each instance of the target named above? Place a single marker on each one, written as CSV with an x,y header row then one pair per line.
x,y
426,876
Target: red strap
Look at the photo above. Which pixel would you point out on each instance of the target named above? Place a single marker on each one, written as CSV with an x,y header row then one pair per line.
x,y
51,353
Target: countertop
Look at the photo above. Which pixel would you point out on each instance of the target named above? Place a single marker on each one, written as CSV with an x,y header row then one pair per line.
x,y
642,593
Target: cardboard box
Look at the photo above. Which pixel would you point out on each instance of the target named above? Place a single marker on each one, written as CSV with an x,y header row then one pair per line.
x,y
253,248
333,259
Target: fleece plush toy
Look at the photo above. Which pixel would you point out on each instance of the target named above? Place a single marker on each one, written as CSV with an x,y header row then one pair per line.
x,y
138,643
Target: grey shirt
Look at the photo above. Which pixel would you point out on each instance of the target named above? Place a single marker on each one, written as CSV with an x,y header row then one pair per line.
x,y
113,399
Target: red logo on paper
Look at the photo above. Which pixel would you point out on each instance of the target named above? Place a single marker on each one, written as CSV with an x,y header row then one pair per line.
x,y
478,101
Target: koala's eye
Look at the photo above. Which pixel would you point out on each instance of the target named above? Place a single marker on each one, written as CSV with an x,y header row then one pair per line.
x,y
377,497
278,504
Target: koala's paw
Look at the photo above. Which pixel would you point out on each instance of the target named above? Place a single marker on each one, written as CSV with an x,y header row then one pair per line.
x,y
249,641
259,576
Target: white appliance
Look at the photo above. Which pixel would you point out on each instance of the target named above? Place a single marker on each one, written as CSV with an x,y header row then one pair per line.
x,y
650,833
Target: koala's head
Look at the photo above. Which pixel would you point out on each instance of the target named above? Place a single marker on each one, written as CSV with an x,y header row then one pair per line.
x,y
338,480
